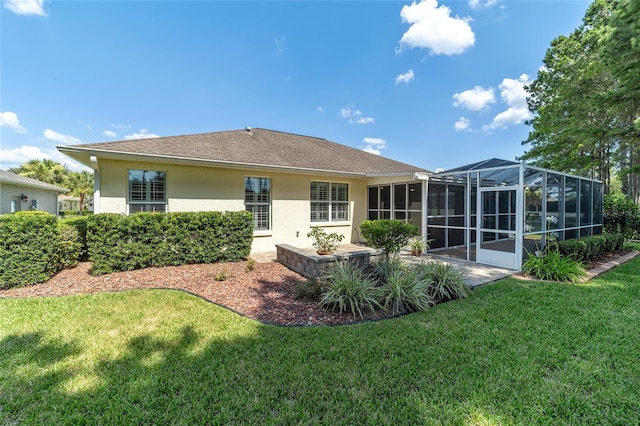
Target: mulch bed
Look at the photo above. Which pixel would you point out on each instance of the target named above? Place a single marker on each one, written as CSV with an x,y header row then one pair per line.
x,y
266,293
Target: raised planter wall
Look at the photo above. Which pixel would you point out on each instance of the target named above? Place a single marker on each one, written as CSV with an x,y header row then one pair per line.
x,y
311,265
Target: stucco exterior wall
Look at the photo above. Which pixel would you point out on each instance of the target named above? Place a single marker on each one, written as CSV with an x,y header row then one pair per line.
x,y
193,188
47,201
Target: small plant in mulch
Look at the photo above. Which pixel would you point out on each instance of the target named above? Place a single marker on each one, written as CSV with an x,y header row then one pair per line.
x,y
251,264
309,290
221,275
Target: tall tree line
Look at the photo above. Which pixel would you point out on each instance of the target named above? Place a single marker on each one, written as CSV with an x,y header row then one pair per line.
x,y
585,100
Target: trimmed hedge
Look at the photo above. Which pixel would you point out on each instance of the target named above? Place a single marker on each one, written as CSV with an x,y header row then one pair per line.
x,y
29,248
592,247
120,243
70,247
80,225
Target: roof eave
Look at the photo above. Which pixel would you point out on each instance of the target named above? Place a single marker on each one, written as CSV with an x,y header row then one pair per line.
x,y
34,186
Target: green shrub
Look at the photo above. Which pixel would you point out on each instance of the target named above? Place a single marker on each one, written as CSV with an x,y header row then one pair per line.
x,y
405,290
70,247
309,290
119,243
348,287
576,248
589,248
621,215
551,265
446,281
388,234
80,224
29,248
615,242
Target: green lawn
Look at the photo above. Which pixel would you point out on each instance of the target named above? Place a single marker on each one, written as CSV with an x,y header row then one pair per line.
x,y
513,353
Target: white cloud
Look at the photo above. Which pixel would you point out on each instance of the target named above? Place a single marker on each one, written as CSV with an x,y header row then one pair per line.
x,y
109,133
482,4
57,137
355,116
371,150
433,28
514,94
474,99
26,7
320,109
14,157
142,134
10,119
374,145
439,170
405,78
462,124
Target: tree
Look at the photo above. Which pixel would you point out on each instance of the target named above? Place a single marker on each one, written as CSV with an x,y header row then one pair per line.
x,y
585,99
80,184
44,170
622,55
388,234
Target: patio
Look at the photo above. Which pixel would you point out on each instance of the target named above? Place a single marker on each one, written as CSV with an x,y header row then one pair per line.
x,y
476,274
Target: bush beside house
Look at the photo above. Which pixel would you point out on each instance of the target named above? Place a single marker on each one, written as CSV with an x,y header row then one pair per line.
x,y
29,248
34,246
586,249
118,243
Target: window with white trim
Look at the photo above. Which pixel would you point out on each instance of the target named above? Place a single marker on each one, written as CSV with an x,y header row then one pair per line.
x,y
147,191
329,202
257,200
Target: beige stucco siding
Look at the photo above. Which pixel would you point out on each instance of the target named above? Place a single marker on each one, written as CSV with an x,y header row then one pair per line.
x,y
193,188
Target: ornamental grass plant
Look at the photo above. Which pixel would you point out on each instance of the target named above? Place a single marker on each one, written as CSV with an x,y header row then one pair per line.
x,y
551,265
446,281
350,288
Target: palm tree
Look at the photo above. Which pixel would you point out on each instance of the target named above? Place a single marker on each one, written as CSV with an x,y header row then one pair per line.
x,y
80,184
44,170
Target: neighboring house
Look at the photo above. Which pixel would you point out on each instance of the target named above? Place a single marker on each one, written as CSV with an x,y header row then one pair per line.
x,y
22,193
291,183
71,203
68,203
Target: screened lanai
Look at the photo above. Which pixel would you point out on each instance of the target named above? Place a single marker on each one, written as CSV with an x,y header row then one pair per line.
x,y
497,211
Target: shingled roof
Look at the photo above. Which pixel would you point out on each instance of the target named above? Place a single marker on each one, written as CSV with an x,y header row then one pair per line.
x,y
251,148
18,180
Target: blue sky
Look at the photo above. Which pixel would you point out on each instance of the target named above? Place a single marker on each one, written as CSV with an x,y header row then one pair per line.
x,y
436,84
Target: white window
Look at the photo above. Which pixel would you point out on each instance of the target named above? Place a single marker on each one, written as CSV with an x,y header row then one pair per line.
x,y
257,200
329,202
147,191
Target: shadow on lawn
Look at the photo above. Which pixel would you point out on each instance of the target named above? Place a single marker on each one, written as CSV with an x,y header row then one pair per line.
x,y
474,363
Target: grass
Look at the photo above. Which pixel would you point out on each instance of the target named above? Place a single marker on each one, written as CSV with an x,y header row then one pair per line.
x,y
515,352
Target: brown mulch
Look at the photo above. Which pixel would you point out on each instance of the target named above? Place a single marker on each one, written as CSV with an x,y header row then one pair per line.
x,y
266,293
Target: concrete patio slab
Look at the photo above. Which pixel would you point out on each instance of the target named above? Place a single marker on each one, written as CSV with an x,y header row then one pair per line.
x,y
476,273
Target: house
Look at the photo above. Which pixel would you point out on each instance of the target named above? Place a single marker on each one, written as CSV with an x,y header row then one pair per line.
x,y
69,203
291,183
22,193
491,211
